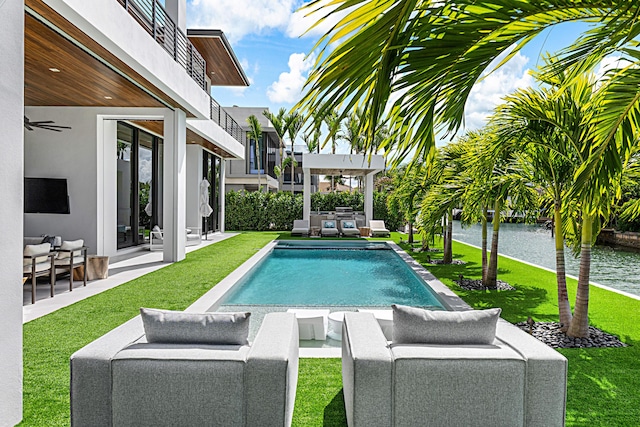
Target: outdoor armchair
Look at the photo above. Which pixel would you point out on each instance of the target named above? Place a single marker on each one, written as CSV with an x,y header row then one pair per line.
x,y
72,254
122,379
329,228
38,261
516,381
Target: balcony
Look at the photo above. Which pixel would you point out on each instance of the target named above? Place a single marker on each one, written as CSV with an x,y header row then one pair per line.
x,y
226,122
154,19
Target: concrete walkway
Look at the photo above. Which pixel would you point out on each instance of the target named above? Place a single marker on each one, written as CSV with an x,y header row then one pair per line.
x,y
137,264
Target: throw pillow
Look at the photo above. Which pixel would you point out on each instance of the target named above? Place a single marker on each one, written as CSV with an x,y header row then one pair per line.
x,y
29,250
69,245
348,224
329,224
417,326
178,327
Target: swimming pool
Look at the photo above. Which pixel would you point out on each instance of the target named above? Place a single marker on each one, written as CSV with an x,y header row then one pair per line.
x,y
332,273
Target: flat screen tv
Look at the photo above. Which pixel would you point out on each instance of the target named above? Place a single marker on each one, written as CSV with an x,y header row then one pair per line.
x,y
46,195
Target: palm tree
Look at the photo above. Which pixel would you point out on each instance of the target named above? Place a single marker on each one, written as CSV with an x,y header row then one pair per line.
x,y
277,120
255,134
293,124
333,120
311,140
572,117
428,55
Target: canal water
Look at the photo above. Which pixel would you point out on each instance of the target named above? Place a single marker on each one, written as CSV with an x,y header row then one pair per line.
x,y
534,244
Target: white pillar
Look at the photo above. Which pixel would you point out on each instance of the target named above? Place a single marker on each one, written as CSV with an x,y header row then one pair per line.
x,y
368,197
177,11
11,208
306,194
222,192
174,185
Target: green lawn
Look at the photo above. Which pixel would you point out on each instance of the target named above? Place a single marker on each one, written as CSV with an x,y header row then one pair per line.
x,y
604,385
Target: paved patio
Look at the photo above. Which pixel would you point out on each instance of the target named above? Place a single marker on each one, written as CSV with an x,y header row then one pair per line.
x,y
135,265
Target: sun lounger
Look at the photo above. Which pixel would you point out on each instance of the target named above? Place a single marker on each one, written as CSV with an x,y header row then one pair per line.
x,y
378,229
348,228
300,227
329,228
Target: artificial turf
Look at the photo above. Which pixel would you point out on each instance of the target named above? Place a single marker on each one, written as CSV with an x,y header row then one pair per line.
x,y
603,384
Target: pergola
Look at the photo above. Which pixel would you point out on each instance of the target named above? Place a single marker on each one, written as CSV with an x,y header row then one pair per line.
x,y
341,164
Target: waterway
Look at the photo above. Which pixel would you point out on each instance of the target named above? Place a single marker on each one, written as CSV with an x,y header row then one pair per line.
x,y
534,244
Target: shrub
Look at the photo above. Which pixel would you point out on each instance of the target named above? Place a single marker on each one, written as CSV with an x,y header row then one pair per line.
x,y
277,211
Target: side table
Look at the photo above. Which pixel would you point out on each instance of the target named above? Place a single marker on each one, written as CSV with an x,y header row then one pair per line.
x,y
364,231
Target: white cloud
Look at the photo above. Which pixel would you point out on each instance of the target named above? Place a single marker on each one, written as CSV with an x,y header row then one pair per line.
x,y
302,20
237,18
288,87
609,63
489,92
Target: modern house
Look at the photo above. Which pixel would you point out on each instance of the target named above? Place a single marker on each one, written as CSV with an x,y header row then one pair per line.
x,y
243,174
111,99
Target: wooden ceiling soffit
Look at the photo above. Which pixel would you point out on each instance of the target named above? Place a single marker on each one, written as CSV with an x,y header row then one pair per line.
x,y
157,127
89,73
223,68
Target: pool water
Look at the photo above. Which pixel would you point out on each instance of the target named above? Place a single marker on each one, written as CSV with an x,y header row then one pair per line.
x,y
333,277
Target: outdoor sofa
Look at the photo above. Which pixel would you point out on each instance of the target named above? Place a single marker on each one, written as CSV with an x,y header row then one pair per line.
x,y
121,379
514,381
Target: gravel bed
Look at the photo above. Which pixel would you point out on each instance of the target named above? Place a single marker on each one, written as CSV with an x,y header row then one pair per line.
x,y
550,334
439,261
476,285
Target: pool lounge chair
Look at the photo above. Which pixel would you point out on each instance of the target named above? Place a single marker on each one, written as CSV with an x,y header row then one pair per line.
x,y
329,228
300,227
378,229
348,228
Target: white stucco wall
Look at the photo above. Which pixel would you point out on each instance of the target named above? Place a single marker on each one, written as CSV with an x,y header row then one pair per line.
x,y
11,191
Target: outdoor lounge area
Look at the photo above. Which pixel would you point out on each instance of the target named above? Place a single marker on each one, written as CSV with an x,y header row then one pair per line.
x,y
320,380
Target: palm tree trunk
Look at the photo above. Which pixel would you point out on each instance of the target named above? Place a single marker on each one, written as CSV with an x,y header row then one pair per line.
x,y
580,324
492,272
281,177
447,256
563,297
410,238
484,244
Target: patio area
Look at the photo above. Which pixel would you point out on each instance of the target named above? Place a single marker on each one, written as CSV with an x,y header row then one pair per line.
x,y
130,266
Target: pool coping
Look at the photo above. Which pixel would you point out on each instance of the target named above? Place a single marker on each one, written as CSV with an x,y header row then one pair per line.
x,y
210,301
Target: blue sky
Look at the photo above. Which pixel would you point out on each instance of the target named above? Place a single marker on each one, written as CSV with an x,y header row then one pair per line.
x,y
265,36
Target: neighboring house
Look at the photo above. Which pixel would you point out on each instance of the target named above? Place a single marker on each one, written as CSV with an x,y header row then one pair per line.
x,y
133,86
243,174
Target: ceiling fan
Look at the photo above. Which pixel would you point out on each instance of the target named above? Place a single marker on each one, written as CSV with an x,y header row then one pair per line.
x,y
48,125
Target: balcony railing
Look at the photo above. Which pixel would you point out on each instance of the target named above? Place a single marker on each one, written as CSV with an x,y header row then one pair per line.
x,y
226,122
154,19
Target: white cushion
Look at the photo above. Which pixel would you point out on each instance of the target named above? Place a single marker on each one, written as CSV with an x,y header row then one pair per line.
x,y
64,262
35,250
68,245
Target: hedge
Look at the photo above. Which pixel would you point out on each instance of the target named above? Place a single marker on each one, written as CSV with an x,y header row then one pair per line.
x,y
277,211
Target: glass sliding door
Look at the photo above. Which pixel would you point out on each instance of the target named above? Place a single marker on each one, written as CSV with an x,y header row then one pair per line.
x,y
139,195
211,172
